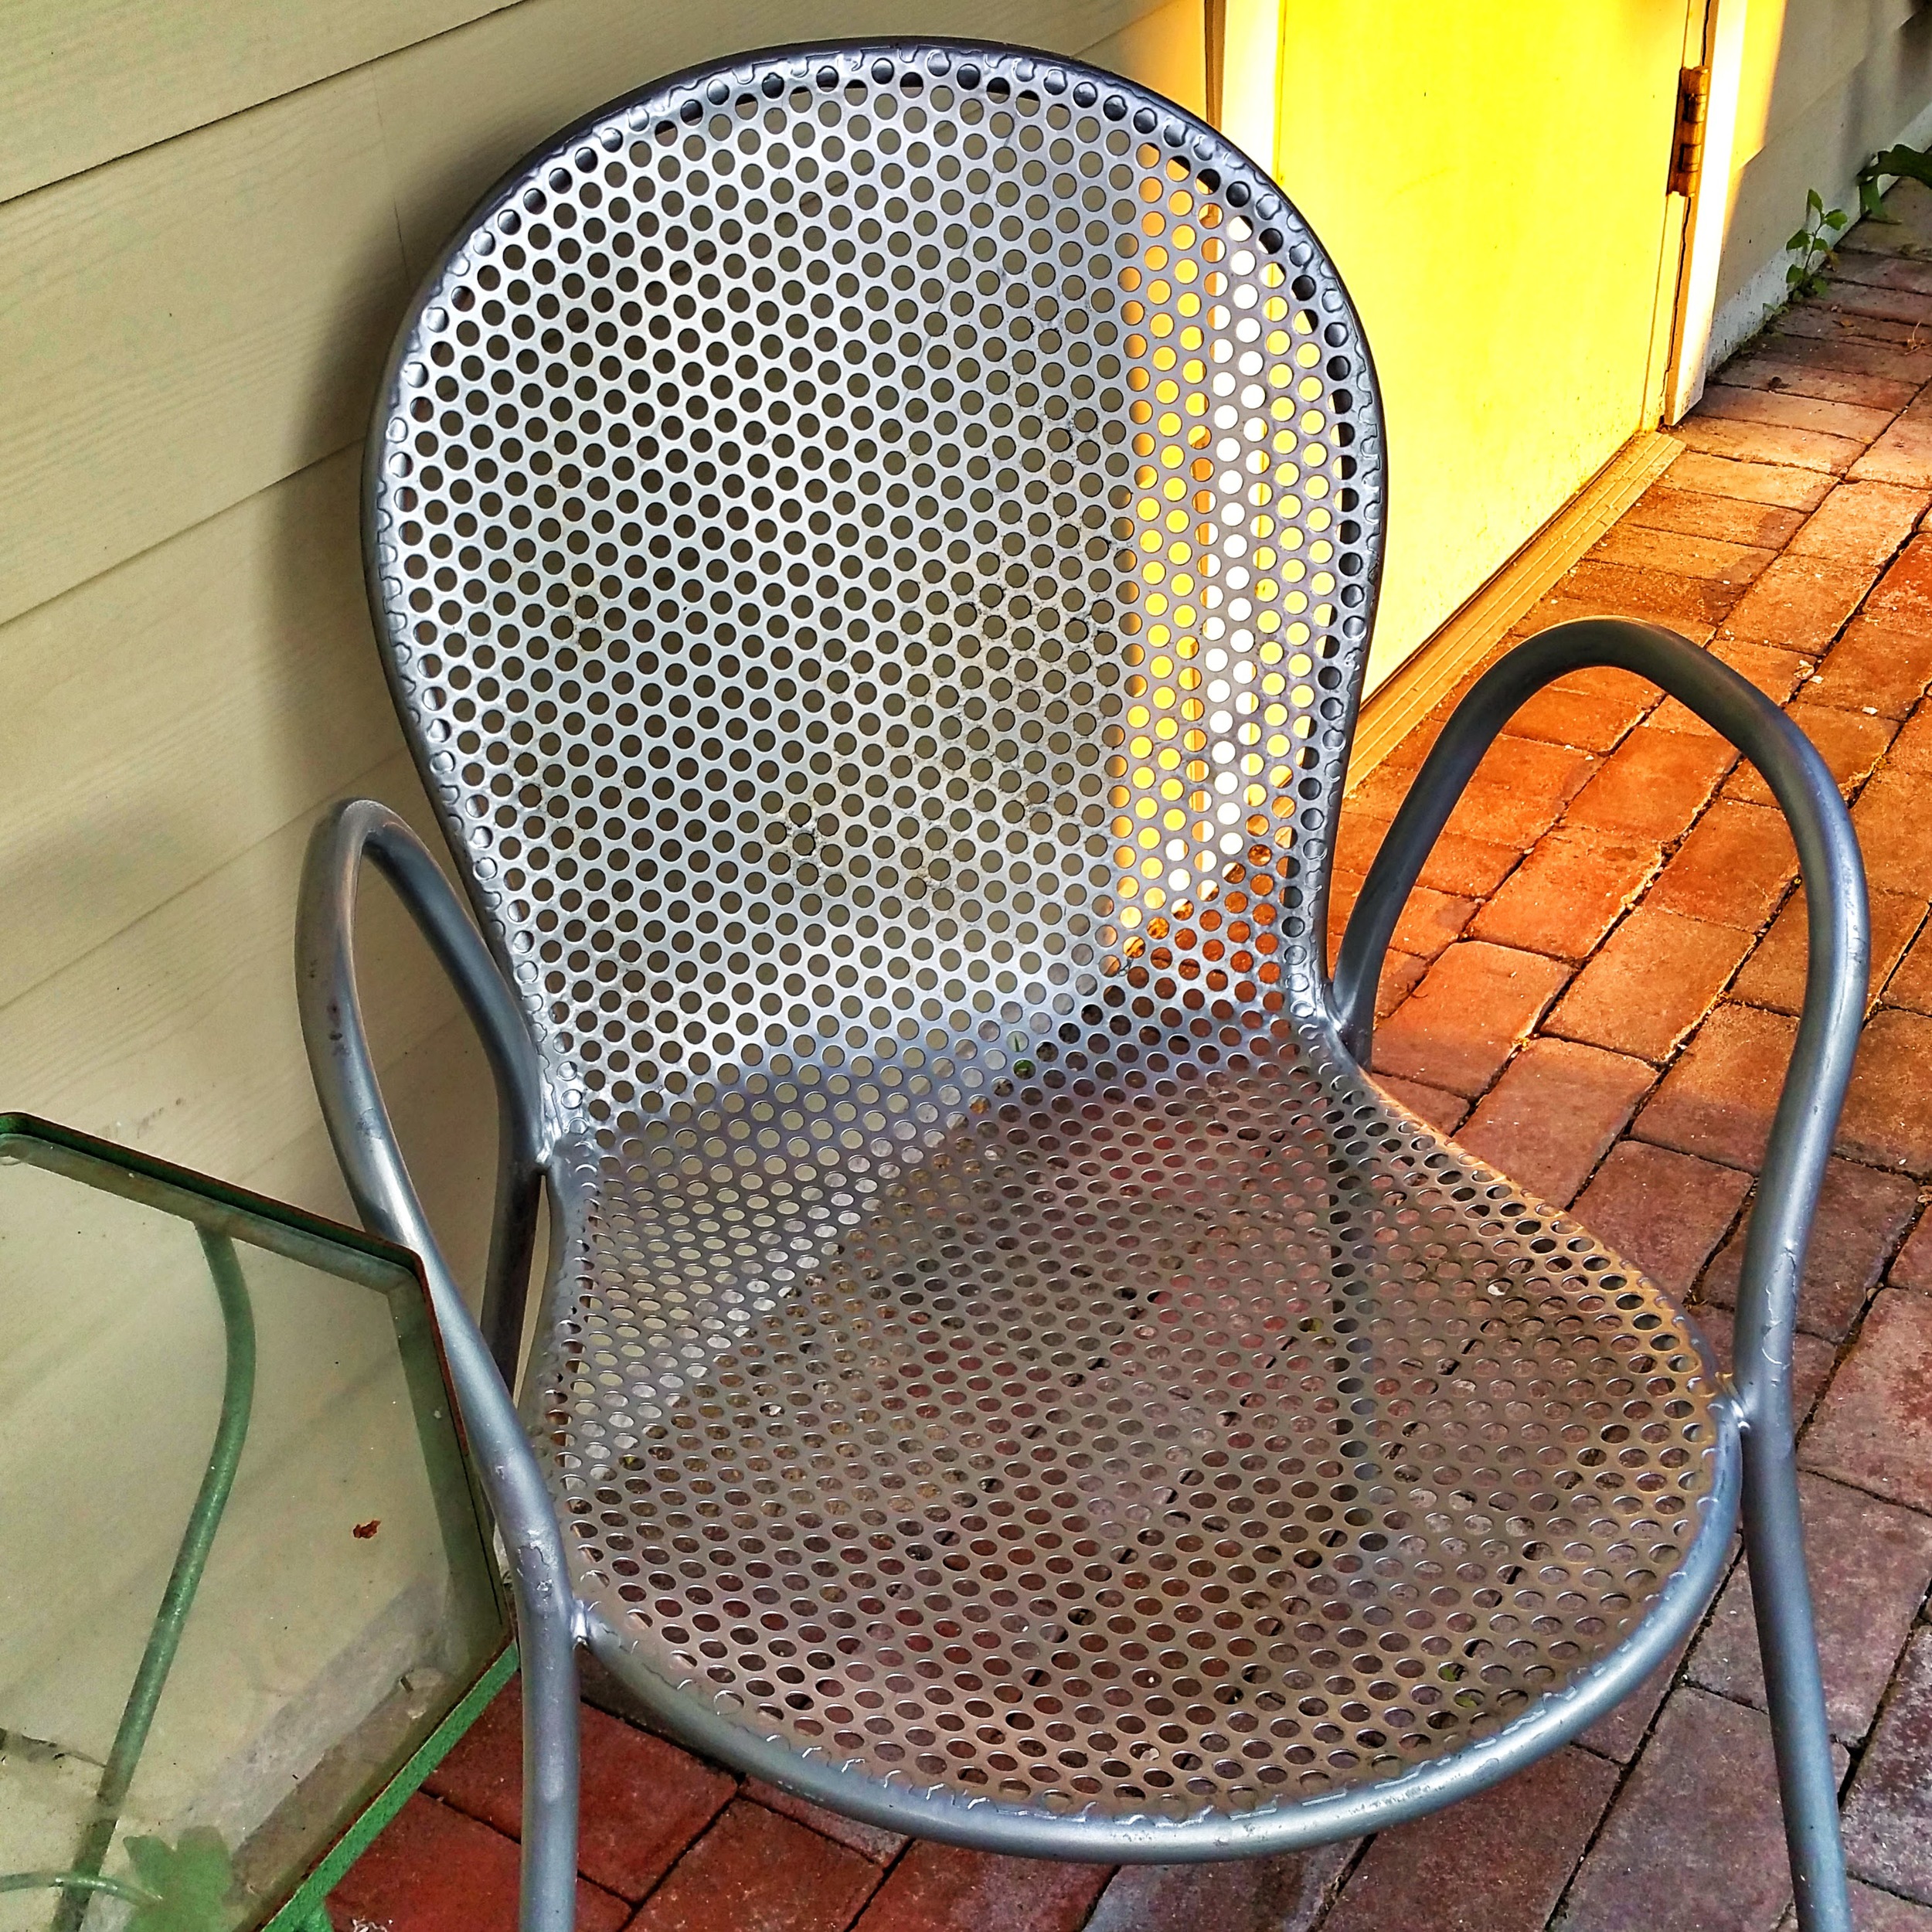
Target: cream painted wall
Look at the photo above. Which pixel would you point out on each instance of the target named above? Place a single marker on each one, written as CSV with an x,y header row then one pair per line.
x,y
211,214
1823,85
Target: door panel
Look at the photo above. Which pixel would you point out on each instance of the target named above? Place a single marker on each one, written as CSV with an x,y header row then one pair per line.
x,y
1491,181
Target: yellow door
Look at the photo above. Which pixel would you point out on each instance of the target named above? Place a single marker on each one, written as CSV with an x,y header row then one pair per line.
x,y
1491,181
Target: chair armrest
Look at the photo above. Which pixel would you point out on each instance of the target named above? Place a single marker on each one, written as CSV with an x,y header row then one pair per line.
x,y
1835,978
379,1180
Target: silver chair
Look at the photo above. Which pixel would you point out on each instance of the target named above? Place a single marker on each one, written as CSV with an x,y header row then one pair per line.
x,y
875,549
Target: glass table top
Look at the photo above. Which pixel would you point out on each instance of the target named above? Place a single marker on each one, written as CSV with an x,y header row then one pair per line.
x,y
246,1573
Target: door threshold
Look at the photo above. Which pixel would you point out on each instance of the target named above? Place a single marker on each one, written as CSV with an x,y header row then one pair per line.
x,y
1419,685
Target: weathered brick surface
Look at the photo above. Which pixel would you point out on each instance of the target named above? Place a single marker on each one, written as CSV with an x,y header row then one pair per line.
x,y
1287,1894
1785,487
1730,519
1874,667
1467,1015
1665,1211
1732,564
1694,1842
1654,784
1891,819
1811,1358
1552,1116
1768,443
643,1800
1775,976
1886,1119
1518,790
1874,1428
875,1843
941,1887
1445,1111
1652,597
1653,981
1849,741
1870,1563
1910,983
1911,1266
1581,718
1496,1862
1718,1100
1886,1838
754,1868
1568,893
1799,603
1856,422
1733,868
1775,672
1901,455
1861,1213
1861,523
434,1868
1429,921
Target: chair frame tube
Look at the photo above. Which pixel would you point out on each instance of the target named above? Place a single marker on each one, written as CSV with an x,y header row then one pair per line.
x,y
1800,1138
482,1370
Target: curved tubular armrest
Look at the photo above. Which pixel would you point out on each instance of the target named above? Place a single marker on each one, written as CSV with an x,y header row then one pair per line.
x,y
365,1145
1835,980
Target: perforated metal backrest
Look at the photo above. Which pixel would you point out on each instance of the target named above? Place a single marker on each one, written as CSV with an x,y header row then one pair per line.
x,y
868,542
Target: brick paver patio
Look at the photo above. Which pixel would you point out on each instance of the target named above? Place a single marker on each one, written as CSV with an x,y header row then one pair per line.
x,y
1595,989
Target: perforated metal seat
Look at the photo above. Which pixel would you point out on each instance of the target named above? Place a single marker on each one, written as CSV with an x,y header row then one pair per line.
x,y
875,549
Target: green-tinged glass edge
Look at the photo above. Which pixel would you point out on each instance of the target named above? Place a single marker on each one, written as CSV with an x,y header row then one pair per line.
x,y
326,1245
306,1907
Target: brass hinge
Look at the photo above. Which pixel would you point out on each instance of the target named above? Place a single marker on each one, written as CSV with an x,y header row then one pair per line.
x,y
1687,141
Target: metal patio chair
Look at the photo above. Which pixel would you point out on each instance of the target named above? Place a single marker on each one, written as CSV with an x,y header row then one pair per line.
x,y
875,548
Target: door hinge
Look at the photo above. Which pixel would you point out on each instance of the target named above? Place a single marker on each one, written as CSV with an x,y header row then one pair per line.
x,y
1687,140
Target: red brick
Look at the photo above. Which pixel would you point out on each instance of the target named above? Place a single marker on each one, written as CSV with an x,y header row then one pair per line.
x,y
1694,1842
1730,519
1861,523
1850,742
1912,748
1793,376
1767,443
1903,306
644,1800
1902,454
1811,1358
1894,821
1733,868
1568,893
1429,921
1855,423
1861,1212
1818,322
1400,972
1913,1269
1459,866
1888,1811
940,1888
1444,1112
1776,673
1879,268
1786,487
1520,788
1875,1911
1662,1212
1557,716
1717,1101
1775,976
1870,1563
1654,784
1548,1120
1817,339
1887,1118
1875,669
877,1844
1653,596
1799,603
1910,985
1495,1862
1284,1894
1619,1734
1874,1429
434,1869
1902,599
1671,551
754,1868
1653,981
1467,1016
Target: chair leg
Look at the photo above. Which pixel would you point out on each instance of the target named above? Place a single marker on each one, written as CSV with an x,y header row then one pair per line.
x,y
1780,1592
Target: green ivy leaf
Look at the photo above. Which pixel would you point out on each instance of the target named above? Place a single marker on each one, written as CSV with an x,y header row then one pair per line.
x,y
190,1882
1836,218
1812,201
1801,239
1915,164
